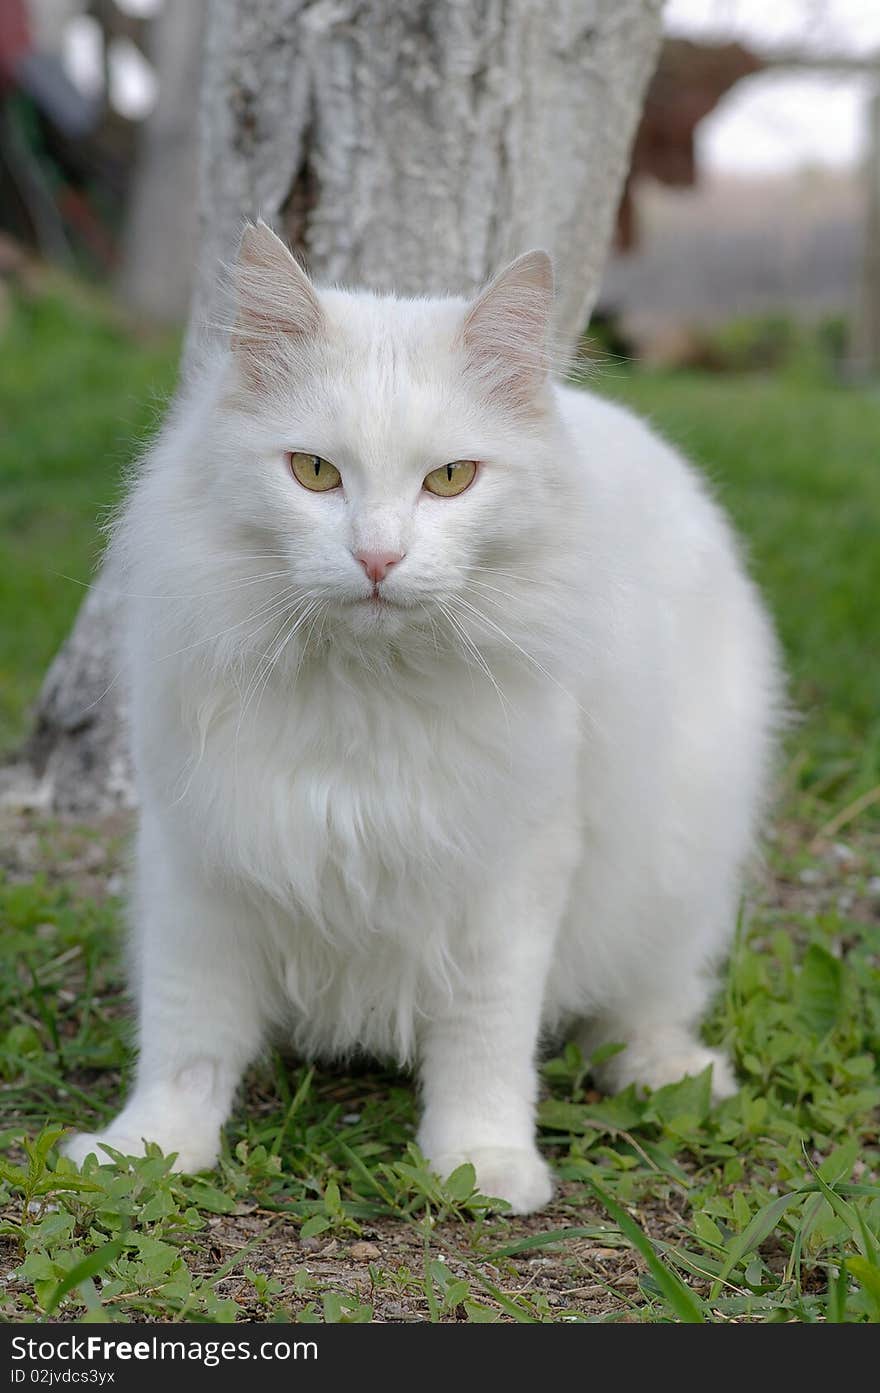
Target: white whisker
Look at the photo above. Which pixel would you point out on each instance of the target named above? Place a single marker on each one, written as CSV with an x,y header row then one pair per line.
x,y
472,647
430,618
262,674
275,604
539,667
503,571
241,583
496,590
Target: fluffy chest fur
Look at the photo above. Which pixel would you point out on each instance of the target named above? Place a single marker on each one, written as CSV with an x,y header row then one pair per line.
x,y
361,820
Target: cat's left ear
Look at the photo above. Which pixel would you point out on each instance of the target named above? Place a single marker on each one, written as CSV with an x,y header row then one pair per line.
x,y
275,300
507,329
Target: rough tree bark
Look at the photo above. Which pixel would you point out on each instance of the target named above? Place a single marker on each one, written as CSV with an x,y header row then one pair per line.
x,y
414,146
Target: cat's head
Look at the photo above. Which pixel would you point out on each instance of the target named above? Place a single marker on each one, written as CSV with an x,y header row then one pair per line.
x,y
403,456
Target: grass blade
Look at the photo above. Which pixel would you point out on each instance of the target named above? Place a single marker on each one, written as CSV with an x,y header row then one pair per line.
x,y
678,1296
546,1240
760,1225
90,1266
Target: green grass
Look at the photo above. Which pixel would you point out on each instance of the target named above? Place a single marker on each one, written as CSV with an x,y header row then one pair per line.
x,y
75,392
766,1208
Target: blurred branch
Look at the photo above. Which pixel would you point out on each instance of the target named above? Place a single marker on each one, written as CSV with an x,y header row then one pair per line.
x,y
846,63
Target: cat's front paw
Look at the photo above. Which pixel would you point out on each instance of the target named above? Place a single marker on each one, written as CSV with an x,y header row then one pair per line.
x,y
193,1154
520,1176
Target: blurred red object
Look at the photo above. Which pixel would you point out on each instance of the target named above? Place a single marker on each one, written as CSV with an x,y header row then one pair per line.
x,y
15,37
689,82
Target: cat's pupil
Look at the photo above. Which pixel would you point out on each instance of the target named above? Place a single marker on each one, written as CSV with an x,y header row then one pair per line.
x,y
317,465
449,472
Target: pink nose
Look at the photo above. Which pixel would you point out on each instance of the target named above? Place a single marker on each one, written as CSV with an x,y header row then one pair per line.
x,y
377,564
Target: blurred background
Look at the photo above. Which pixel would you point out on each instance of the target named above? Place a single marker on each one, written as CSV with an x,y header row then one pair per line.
x,y
740,308
739,312
753,153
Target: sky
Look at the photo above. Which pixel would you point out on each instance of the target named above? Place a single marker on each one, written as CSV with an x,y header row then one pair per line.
x,y
777,123
769,124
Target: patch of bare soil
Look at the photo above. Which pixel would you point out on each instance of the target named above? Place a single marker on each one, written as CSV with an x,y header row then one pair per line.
x,y
89,857
384,1266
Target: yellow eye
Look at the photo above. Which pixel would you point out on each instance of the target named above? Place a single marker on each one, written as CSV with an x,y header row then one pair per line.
x,y
451,479
314,473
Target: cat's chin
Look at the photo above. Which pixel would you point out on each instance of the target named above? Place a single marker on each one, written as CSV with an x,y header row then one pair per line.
x,y
375,616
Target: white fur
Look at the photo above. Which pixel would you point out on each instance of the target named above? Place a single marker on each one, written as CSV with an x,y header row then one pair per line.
x,y
519,799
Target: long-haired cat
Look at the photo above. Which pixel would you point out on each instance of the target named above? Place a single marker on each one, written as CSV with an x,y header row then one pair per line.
x,y
452,711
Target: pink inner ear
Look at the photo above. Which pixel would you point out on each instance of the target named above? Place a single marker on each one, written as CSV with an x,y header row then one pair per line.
x,y
507,329
275,296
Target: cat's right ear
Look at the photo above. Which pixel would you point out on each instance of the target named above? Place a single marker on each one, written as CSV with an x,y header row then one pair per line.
x,y
507,329
276,302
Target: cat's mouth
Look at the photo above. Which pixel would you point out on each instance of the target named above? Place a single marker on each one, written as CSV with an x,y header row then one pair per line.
x,y
376,605
376,611
375,599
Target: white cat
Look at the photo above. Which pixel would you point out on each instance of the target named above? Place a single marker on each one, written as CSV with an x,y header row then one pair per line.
x,y
452,715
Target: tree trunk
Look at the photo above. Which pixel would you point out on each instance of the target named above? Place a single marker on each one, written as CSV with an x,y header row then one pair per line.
x,y
866,351
412,146
417,146
161,233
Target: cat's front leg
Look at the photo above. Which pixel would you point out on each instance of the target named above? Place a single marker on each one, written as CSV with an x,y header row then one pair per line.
x,y
479,1077
202,1002
478,1053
